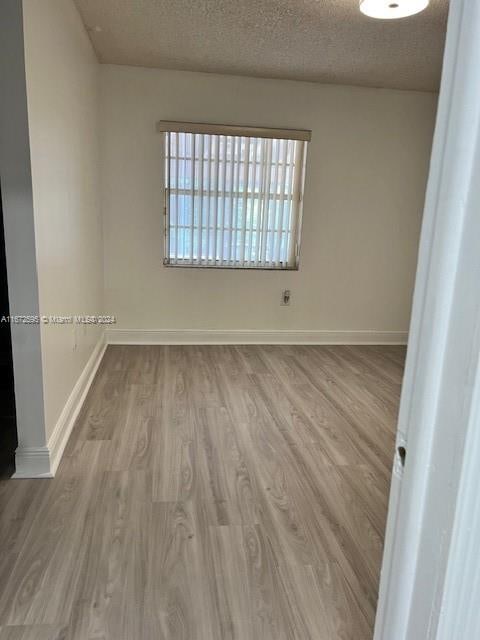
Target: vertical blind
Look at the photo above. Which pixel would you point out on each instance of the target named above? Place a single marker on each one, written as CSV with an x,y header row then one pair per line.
x,y
232,200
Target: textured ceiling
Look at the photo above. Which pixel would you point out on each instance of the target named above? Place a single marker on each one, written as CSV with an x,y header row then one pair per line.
x,y
315,40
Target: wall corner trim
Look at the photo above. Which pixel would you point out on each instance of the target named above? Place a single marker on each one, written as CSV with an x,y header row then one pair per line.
x,y
42,462
252,336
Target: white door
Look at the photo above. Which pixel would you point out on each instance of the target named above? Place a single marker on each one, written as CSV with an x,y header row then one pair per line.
x,y
435,495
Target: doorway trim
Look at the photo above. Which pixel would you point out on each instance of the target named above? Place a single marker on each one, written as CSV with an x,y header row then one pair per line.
x,y
441,392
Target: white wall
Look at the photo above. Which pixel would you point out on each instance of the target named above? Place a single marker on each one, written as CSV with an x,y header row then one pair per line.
x,y
365,183
62,92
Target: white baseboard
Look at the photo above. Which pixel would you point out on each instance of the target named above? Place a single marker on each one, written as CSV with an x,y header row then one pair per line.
x,y
32,462
221,336
42,462
66,421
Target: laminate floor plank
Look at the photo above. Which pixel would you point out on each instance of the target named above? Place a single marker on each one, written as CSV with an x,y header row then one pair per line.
x,y
342,433
377,372
111,592
18,501
343,394
33,632
41,587
105,408
180,590
253,602
225,480
220,492
366,389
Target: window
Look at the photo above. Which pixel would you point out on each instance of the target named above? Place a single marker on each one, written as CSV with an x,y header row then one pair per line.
x,y
233,196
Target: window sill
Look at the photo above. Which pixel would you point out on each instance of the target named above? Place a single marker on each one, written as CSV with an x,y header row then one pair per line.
x,y
228,267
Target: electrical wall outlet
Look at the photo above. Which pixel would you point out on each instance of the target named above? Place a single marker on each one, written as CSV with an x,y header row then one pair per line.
x,y
286,297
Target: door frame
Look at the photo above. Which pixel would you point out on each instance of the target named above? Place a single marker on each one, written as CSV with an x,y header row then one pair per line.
x,y
32,456
434,499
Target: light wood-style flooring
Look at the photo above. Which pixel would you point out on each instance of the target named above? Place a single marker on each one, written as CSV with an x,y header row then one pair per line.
x,y
210,493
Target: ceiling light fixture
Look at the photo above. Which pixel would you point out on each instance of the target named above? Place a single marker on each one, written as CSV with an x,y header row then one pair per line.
x,y
391,9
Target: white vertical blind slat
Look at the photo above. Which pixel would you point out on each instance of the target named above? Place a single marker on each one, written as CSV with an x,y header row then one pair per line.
x,y
188,257
261,195
274,201
234,253
232,146
208,198
278,240
175,178
167,219
201,190
246,175
258,221
184,199
216,167
297,198
291,207
252,199
266,201
224,200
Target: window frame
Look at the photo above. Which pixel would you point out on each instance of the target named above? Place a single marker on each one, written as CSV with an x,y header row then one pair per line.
x,y
304,136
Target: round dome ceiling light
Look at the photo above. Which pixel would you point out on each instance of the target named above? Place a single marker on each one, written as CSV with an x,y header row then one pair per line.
x,y
391,9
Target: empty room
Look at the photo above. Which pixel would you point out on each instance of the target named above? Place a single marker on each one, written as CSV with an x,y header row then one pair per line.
x,y
239,320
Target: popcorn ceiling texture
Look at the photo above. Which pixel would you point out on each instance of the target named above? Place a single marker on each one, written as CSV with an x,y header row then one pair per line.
x,y
315,40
